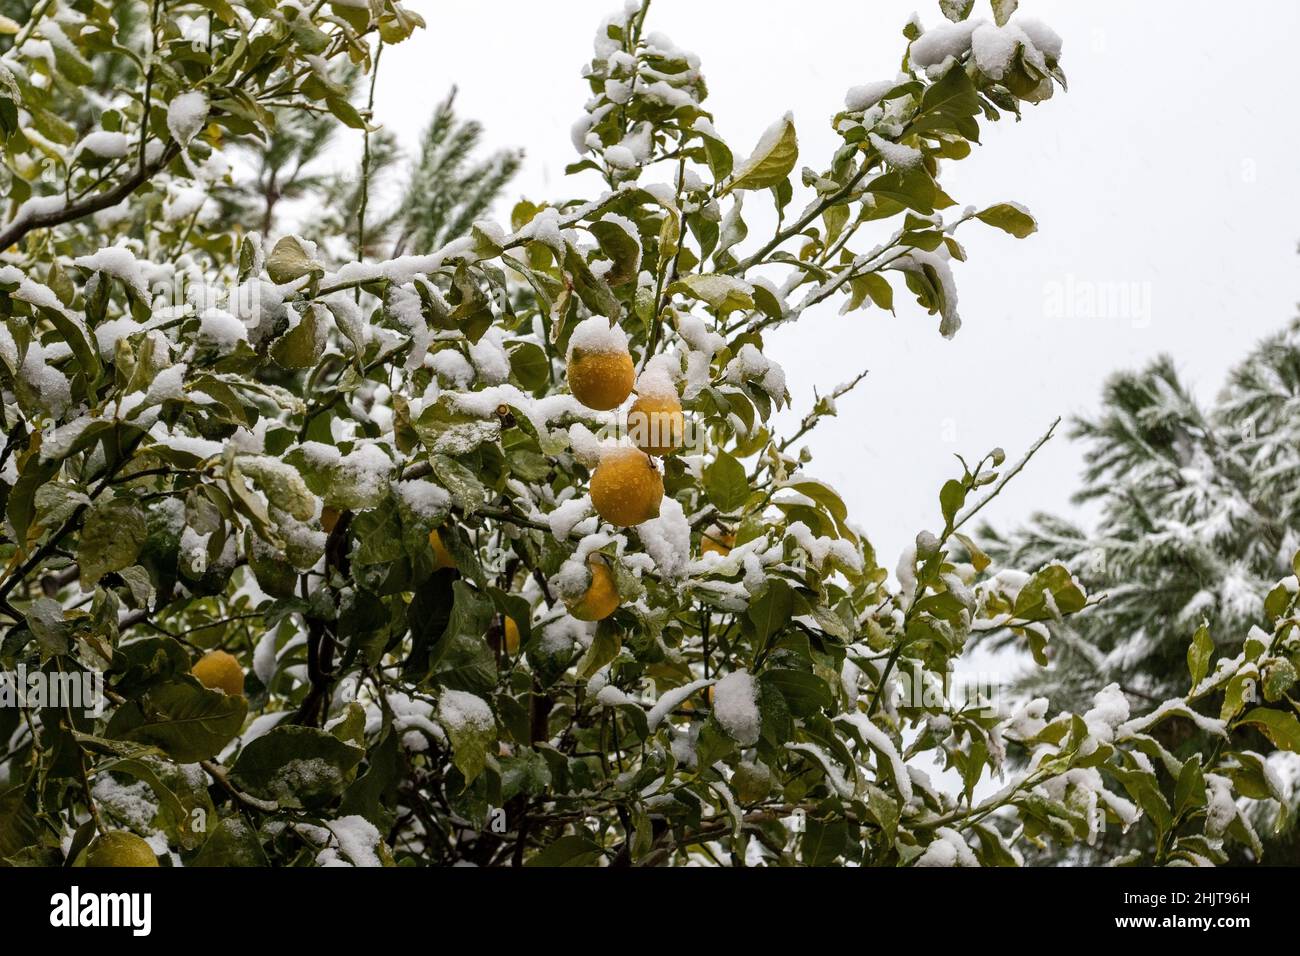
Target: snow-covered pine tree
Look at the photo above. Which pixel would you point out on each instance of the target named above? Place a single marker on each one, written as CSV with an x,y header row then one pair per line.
x,y
367,549
424,203
1199,518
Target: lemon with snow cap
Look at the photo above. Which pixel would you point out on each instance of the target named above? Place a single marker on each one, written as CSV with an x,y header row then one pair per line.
x,y
601,599
600,368
655,423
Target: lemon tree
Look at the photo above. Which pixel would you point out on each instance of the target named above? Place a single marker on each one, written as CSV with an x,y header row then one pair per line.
x,y
375,563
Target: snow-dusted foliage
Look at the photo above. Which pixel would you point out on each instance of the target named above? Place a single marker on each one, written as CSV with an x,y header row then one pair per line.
x,y
1200,518
338,515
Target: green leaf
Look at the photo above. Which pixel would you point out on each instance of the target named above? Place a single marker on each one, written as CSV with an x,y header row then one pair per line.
x,y
1240,691
465,488
956,10
182,718
19,826
112,535
345,111
726,483
530,366
1279,676
951,498
1279,726
605,646
717,154
146,661
978,559
721,292
1252,777
591,288
1199,654
772,159
1141,786
1002,10
1009,217
296,766
829,499
301,346
398,23
883,809
21,506
290,260
993,849
1032,603
877,287
806,693
178,795
772,610
470,727
573,850
374,791
78,339
45,619
526,772
949,105
1189,792
466,663
824,841
517,609
912,188
622,248
232,842
1276,602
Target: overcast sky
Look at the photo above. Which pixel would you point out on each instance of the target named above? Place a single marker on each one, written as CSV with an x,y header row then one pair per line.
x,y
1165,178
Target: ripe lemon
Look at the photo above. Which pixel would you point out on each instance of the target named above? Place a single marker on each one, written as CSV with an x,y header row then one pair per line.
x,y
627,488
601,599
329,517
717,541
655,423
600,380
600,368
120,848
512,636
441,556
220,671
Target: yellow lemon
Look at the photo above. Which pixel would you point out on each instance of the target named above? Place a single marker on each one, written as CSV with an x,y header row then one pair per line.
x,y
600,380
220,671
655,423
601,598
512,636
120,848
717,541
329,517
600,368
441,556
627,488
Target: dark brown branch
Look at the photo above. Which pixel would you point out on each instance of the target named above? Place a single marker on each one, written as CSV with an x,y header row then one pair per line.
x,y
22,225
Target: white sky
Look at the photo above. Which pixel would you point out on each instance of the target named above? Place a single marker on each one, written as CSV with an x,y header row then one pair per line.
x,y
1169,169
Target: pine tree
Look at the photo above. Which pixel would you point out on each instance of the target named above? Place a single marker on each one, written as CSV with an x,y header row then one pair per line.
x,y
446,189
1200,513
